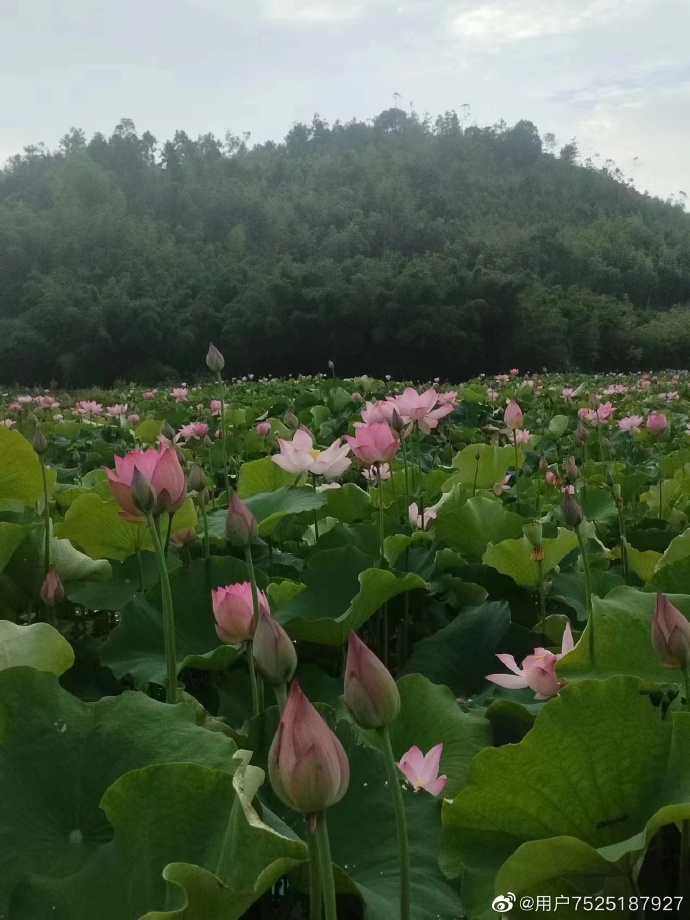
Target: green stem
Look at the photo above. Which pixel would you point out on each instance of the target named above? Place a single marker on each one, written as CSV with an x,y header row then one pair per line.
x,y
255,603
46,517
168,535
316,517
280,691
419,465
588,590
141,571
222,435
382,557
542,595
315,890
407,479
401,823
476,474
517,481
326,864
661,482
256,706
168,614
207,545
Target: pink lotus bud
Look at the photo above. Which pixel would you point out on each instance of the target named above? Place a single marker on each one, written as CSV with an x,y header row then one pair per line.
x,y
513,416
572,512
581,433
133,418
670,634
373,443
185,537
307,765
657,422
291,419
274,653
240,524
161,468
196,478
552,478
263,429
570,469
357,397
149,394
233,609
214,359
52,590
39,443
371,694
142,493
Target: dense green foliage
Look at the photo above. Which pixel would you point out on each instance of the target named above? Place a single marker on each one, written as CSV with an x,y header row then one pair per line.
x,y
400,246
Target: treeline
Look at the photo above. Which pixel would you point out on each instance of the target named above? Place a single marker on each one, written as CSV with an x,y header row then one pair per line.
x,y
399,246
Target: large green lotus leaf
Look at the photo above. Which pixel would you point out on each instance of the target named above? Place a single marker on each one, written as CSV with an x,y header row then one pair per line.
x,y
429,715
269,509
342,594
20,469
593,768
642,563
362,831
207,854
481,466
264,476
558,425
59,755
462,653
148,431
74,567
480,521
598,504
11,536
38,646
569,587
136,573
98,528
347,504
622,639
135,646
514,557
671,579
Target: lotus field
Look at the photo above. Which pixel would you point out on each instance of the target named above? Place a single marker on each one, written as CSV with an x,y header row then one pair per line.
x,y
326,648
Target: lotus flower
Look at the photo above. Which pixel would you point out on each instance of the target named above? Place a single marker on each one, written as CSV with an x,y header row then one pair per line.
x,y
670,634
233,609
52,591
307,765
180,394
522,436
421,770
631,423
116,411
373,443
300,456
161,468
196,430
263,429
418,520
148,394
88,408
371,694
418,408
657,422
513,416
380,411
377,474
538,671
273,650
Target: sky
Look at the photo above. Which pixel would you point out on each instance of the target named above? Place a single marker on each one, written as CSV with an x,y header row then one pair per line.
x,y
615,74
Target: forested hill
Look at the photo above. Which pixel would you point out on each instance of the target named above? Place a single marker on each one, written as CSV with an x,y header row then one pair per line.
x,y
400,245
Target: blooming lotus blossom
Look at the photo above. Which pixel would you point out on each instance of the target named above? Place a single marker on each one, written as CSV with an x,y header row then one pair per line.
x,y
503,378
657,422
514,372
160,468
379,411
499,487
522,436
88,408
599,416
133,418
631,423
300,456
233,608
216,406
418,409
538,671
149,394
25,399
181,394
421,770
567,393
378,473
373,443
263,429
116,411
47,402
669,397
448,399
492,394
418,520
15,405
615,389
196,430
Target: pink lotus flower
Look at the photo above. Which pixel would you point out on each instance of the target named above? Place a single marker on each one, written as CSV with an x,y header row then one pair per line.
x,y
149,394
371,695
380,411
552,478
180,393
300,456
357,397
502,378
47,402
418,520
421,770
233,609
378,473
25,399
567,393
373,443
133,418
88,408
670,634
15,405
499,487
161,468
116,411
514,372
669,397
215,407
631,423
599,416
522,436
513,416
418,409
196,430
538,671
657,422
52,590
492,394
263,429
448,399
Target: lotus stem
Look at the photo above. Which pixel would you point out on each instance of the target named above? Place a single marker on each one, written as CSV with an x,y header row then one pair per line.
x,y
315,888
222,434
326,865
401,823
588,590
168,613
256,686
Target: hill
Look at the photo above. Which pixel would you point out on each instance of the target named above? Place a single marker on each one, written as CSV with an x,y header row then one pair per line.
x,y
401,245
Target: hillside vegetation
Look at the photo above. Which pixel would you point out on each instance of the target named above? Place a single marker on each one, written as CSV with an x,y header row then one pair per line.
x,y
401,245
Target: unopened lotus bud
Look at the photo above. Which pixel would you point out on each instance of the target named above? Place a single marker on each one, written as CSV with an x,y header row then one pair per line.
x,y
40,445
331,365
273,651
371,694
397,424
526,469
581,433
670,634
307,764
513,416
291,419
168,432
184,537
594,401
214,359
240,524
534,533
572,512
143,494
570,469
196,478
543,464
52,590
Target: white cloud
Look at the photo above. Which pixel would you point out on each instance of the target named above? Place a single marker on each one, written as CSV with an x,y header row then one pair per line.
x,y
505,21
315,10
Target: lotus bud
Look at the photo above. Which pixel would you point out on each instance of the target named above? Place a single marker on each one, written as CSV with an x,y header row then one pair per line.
x,y
263,429
331,365
273,651
52,590
534,533
670,634
657,422
572,512
594,401
513,416
543,464
184,537
291,419
371,694
307,764
570,469
196,478
142,493
40,445
168,432
240,524
581,433
214,359
397,423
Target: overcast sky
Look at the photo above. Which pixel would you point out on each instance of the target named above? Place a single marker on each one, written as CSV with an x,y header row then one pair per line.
x,y
613,73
